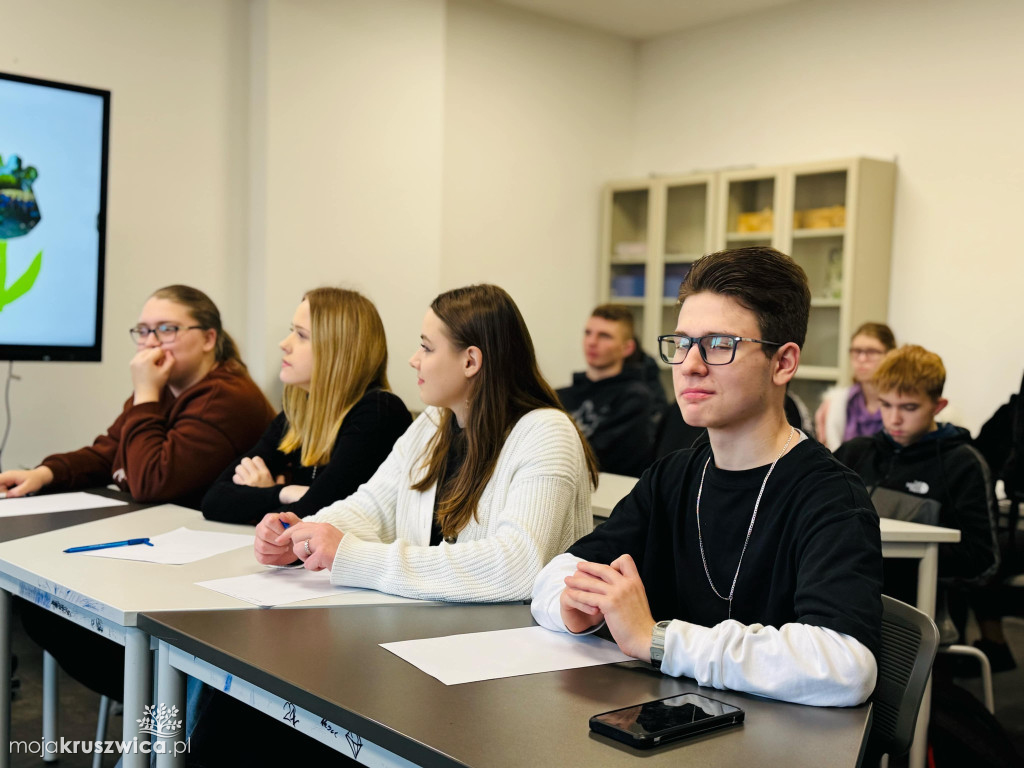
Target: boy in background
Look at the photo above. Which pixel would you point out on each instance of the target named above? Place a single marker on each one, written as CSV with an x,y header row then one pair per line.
x,y
918,455
609,401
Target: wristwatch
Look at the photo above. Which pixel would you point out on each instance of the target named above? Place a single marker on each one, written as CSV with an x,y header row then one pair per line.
x,y
658,643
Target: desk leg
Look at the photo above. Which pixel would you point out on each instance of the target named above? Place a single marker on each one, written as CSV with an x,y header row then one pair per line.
x,y
5,677
927,586
138,676
51,706
170,693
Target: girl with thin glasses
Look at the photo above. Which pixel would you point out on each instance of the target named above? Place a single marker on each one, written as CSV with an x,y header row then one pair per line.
x,y
852,411
193,409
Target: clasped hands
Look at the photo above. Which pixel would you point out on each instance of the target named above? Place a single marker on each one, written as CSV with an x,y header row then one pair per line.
x,y
255,473
315,544
612,593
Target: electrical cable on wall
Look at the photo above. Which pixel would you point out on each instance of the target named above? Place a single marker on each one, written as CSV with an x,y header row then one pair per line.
x,y
7,408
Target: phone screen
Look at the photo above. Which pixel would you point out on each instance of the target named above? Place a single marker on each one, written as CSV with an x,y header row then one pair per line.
x,y
666,719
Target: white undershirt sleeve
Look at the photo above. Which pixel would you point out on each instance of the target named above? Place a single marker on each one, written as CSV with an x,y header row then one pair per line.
x,y
547,592
801,663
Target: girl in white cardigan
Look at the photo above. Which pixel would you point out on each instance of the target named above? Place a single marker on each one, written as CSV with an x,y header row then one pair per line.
x,y
484,488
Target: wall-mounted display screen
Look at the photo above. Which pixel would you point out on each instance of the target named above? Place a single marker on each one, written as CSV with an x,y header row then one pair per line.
x,y
53,195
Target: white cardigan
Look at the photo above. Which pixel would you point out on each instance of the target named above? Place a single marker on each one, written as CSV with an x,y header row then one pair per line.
x,y
536,504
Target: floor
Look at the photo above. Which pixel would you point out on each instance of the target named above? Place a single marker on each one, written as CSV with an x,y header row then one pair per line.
x,y
80,706
78,714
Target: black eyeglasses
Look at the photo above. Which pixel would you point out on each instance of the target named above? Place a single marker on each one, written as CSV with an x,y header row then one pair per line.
x,y
715,349
165,332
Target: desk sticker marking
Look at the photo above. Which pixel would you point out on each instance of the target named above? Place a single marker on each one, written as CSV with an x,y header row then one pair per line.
x,y
355,743
289,714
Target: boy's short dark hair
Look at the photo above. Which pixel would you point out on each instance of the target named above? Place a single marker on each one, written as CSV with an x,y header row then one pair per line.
x,y
911,370
618,313
763,280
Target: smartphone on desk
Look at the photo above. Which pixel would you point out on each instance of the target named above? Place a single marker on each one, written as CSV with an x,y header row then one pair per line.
x,y
666,720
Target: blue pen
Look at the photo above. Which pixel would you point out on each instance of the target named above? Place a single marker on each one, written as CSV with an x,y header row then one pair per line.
x,y
108,545
286,525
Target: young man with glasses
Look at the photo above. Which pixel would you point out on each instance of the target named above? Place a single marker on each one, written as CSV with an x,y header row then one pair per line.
x,y
752,562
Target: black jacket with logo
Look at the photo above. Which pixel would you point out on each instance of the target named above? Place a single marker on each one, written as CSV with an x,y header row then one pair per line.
x,y
942,465
614,414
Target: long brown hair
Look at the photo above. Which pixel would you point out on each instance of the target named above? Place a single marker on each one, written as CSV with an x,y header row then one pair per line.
x,y
508,386
206,315
350,356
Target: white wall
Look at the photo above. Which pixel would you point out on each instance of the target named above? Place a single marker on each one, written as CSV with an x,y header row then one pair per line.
x,y
262,148
351,188
538,115
175,203
935,85
408,146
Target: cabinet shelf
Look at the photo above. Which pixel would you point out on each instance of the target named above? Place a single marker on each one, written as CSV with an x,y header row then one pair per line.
x,y
654,229
801,234
748,236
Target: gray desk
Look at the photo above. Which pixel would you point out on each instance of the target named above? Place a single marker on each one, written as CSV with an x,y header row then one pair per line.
x,y
344,689
19,527
106,595
29,525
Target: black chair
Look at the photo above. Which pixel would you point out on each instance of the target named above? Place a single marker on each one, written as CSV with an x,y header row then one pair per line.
x,y
909,642
897,505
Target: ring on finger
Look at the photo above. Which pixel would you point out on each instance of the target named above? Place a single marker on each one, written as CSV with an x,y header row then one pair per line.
x,y
308,550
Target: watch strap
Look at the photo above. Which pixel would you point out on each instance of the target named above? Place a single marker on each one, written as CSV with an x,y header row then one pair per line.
x,y
658,643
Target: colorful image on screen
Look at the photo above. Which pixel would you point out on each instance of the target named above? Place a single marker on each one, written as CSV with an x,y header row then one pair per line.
x,y
52,156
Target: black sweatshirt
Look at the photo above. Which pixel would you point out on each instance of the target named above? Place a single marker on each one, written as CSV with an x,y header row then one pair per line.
x,y
814,556
365,439
942,465
614,414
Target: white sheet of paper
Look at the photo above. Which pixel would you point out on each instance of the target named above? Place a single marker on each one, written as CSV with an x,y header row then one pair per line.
x,y
176,547
55,502
504,653
279,586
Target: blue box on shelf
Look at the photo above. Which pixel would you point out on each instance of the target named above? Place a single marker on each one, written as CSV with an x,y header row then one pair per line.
x,y
674,276
628,285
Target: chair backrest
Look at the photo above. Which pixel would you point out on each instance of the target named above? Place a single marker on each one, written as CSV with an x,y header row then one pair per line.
x,y
909,641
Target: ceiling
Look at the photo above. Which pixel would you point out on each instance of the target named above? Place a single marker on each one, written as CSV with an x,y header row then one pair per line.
x,y
643,19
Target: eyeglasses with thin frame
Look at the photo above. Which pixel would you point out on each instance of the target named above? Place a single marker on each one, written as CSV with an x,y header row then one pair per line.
x,y
715,349
866,352
165,332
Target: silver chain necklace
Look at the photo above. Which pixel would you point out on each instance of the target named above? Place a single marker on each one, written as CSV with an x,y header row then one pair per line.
x,y
753,518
